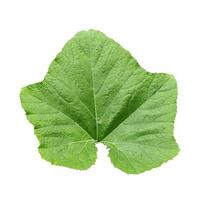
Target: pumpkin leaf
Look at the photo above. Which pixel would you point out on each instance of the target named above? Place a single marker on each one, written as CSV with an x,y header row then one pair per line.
x,y
95,91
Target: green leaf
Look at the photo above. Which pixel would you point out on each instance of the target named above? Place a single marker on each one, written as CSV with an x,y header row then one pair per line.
x,y
95,91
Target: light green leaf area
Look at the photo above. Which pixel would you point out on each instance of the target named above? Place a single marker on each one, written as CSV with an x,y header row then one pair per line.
x,y
95,91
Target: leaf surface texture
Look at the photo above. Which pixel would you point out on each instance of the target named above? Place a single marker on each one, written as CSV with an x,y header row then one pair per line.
x,y
95,91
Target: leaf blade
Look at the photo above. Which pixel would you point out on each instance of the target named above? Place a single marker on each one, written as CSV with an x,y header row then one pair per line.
x,y
96,91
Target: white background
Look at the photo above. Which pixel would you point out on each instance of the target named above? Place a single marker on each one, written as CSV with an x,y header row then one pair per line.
x,y
164,36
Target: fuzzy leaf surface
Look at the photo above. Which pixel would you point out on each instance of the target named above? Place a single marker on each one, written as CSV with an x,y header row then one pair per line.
x,y
95,91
